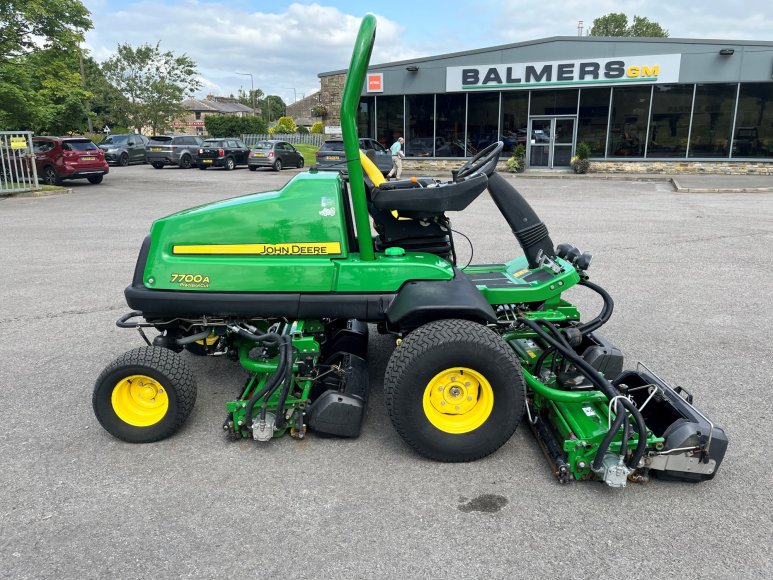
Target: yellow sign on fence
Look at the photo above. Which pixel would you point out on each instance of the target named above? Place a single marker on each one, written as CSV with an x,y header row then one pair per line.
x,y
18,143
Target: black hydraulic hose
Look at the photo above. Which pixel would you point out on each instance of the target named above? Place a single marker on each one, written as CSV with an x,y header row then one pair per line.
x,y
624,442
269,387
606,310
600,382
288,381
620,418
270,338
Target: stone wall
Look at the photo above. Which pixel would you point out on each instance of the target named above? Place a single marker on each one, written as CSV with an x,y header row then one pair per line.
x,y
601,167
686,167
331,91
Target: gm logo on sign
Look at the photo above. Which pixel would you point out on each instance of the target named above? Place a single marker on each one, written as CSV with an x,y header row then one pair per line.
x,y
375,83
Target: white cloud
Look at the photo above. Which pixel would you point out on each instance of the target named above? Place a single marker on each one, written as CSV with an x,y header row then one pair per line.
x,y
283,51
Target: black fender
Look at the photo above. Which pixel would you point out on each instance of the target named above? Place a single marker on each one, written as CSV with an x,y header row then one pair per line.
x,y
423,301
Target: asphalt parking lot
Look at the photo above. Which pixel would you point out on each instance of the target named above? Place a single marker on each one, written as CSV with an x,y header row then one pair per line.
x,y
691,278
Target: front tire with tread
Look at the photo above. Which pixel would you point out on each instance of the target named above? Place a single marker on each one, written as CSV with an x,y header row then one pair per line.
x,y
163,366
427,353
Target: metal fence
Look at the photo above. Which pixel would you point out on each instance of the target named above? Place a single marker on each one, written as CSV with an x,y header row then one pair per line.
x,y
17,162
295,138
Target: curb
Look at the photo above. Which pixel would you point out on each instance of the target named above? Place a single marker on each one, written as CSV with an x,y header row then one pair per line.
x,y
35,193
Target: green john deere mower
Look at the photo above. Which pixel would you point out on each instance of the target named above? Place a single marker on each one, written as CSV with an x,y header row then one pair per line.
x,y
287,283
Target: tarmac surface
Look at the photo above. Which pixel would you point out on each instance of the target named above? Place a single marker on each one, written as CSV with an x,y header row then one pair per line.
x,y
691,278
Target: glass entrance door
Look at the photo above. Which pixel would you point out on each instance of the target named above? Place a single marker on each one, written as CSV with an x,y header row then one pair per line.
x,y
550,141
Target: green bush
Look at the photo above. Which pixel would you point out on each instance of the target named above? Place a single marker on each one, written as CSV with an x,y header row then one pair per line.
x,y
301,130
583,151
233,126
317,128
513,164
285,125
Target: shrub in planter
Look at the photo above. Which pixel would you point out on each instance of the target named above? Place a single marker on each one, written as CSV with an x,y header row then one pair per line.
x,y
514,165
581,162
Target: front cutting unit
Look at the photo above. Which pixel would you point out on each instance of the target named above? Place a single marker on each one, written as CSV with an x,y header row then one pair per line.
x,y
289,284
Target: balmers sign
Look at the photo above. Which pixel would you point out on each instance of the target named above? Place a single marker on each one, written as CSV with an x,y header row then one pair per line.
x,y
661,68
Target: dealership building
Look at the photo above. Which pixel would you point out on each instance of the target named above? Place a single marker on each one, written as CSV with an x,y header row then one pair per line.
x,y
641,104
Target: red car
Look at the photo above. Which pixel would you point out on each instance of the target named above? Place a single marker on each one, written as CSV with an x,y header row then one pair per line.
x,y
59,158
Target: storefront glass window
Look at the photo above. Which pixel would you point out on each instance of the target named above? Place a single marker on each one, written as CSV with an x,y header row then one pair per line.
x,y
449,128
515,119
712,120
670,124
592,119
419,112
366,117
482,121
628,128
754,122
389,119
562,102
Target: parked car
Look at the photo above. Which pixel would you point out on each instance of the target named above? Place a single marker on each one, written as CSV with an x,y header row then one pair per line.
x,y
178,150
275,154
331,155
226,153
60,158
124,148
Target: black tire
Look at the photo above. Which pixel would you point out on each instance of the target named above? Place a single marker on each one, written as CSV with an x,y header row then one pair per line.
x,y
278,165
300,163
202,167
253,167
186,161
229,164
49,176
157,165
168,371
96,179
123,160
448,347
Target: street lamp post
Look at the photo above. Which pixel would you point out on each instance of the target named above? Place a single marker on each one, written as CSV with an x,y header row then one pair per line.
x,y
252,90
295,93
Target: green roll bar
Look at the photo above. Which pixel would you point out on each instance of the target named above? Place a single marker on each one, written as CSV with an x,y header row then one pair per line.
x,y
350,103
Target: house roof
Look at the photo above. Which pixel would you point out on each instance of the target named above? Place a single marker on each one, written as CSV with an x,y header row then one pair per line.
x,y
207,105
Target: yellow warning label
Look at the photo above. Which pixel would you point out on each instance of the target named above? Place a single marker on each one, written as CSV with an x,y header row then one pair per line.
x,y
520,273
18,143
299,249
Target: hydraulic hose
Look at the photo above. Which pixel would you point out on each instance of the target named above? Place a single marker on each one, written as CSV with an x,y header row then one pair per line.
x,y
601,383
606,310
620,418
272,383
288,381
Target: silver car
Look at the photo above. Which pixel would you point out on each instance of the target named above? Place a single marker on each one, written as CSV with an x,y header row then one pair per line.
x,y
274,154
331,155
178,150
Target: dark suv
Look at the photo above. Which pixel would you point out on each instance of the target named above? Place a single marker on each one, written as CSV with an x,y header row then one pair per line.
x,y
331,155
124,149
226,153
173,150
59,158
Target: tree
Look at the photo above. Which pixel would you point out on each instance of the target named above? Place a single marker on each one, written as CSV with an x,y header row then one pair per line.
x,y
616,24
153,82
29,25
42,91
107,106
272,107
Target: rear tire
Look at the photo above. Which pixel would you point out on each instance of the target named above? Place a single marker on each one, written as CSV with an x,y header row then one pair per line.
x,y
278,165
145,395
185,162
157,165
300,163
123,160
96,179
454,390
229,164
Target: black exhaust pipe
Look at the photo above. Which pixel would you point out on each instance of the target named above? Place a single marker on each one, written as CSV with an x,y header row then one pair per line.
x,y
529,230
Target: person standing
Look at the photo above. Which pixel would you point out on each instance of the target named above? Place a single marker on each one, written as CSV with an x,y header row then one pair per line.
x,y
397,158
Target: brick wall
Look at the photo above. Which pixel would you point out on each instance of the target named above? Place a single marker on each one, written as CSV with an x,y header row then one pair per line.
x,y
331,92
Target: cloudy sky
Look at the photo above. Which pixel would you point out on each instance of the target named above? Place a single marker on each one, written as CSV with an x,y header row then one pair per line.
x,y
286,44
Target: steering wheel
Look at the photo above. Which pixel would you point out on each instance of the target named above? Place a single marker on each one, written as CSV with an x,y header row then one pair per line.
x,y
484,162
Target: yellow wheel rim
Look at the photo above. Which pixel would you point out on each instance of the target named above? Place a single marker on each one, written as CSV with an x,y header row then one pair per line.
x,y
140,401
458,400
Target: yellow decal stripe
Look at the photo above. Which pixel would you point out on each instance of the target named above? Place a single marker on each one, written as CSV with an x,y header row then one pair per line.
x,y
299,249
